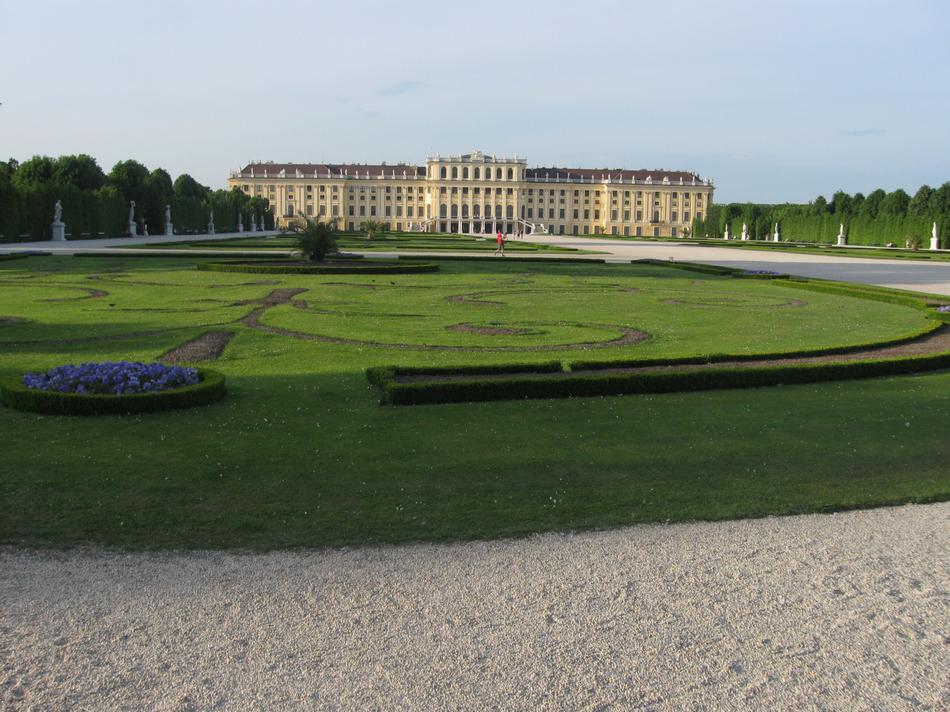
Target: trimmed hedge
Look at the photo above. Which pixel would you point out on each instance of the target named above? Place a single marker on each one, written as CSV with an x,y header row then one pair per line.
x,y
493,258
717,358
380,375
658,382
365,267
16,395
692,267
13,257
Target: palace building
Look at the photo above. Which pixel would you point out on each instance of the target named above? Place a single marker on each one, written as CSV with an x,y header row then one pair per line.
x,y
480,193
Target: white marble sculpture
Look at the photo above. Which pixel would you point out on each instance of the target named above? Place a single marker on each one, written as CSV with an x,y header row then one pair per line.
x,y
934,238
211,222
776,236
240,223
726,236
842,238
745,231
59,227
169,230
133,229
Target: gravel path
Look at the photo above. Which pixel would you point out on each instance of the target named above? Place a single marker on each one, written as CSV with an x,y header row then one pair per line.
x,y
846,611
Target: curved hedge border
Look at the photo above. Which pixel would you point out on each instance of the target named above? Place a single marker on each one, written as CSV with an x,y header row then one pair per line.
x,y
16,395
361,267
583,379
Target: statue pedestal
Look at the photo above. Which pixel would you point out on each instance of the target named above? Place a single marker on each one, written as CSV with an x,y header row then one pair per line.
x,y
211,228
934,243
240,227
133,230
59,231
169,230
776,238
842,241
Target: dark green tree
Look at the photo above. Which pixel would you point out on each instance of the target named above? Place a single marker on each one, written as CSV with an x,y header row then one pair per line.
x,y
872,204
895,203
81,171
187,187
315,240
841,203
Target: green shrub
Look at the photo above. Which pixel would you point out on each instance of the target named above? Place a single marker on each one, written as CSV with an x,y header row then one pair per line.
x,y
517,388
16,395
315,240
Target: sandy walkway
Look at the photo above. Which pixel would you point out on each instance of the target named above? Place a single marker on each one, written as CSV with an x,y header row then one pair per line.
x,y
847,611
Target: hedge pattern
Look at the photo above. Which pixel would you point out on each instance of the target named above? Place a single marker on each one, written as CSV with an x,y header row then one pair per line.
x,y
367,267
14,394
584,379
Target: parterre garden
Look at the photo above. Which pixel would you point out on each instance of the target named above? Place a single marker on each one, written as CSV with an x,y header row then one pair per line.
x,y
301,453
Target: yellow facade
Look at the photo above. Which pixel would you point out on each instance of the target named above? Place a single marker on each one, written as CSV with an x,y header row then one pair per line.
x,y
480,193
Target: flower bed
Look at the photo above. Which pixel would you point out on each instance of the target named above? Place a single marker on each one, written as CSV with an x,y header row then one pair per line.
x,y
118,378
102,388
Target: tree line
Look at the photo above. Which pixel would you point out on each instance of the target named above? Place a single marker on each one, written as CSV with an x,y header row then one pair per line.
x,y
879,218
96,203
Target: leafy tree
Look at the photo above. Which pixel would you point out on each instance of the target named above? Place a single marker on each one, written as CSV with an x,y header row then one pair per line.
x,y
841,203
895,203
81,171
920,203
372,228
161,184
820,206
940,201
129,177
872,204
187,187
314,239
38,170
857,203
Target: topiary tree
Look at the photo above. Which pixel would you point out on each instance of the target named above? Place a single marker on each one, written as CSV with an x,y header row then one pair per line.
x,y
372,228
315,240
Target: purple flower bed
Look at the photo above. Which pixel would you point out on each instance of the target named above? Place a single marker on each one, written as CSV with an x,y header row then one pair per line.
x,y
945,309
119,378
761,271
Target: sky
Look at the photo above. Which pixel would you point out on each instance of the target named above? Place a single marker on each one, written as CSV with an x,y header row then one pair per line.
x,y
775,101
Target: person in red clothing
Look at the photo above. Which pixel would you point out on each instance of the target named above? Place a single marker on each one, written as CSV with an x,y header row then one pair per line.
x,y
501,244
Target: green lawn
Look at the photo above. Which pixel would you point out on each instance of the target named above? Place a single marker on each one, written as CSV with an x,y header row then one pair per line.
x,y
300,454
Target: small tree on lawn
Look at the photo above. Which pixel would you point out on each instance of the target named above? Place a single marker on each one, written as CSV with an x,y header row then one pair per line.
x,y
372,228
315,240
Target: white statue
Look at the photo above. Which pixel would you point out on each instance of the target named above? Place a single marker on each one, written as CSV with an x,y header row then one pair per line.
x,y
132,211
745,231
842,238
776,236
726,237
168,213
934,238
58,212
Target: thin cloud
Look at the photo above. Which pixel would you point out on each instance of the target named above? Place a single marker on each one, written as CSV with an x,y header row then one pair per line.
x,y
399,88
369,113
861,133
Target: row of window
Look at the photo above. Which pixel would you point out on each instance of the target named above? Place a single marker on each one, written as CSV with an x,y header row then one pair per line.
x,y
476,173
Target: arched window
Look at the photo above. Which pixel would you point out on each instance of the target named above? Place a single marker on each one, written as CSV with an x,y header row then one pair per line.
x,y
487,212
475,208
477,173
498,174
455,210
510,212
443,210
464,211
455,172
498,208
442,172
465,174
511,174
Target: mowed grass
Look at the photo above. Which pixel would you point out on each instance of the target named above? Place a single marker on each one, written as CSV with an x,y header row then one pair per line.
x,y
300,454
